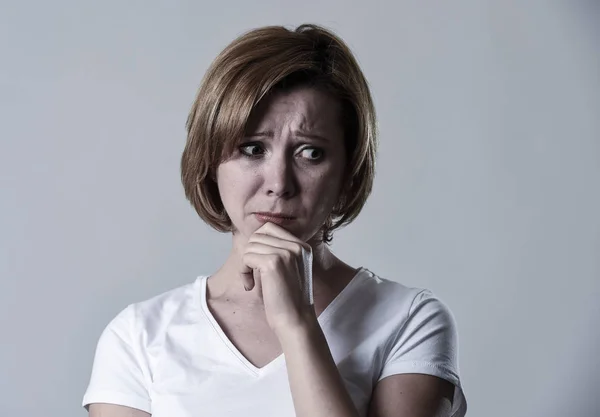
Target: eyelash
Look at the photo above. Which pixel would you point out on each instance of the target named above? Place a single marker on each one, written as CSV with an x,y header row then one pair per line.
x,y
249,144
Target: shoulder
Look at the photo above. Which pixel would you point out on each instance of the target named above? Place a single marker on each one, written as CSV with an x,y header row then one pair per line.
x,y
123,368
400,308
152,315
422,339
404,299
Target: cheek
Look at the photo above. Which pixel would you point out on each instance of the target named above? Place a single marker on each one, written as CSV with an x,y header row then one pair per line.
x,y
334,176
235,187
326,192
229,191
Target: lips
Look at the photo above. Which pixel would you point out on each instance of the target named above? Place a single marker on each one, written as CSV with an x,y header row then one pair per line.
x,y
278,218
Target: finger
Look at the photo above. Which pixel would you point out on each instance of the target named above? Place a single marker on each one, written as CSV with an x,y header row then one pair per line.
x,y
278,231
256,261
252,280
270,255
291,253
259,256
271,229
247,278
276,242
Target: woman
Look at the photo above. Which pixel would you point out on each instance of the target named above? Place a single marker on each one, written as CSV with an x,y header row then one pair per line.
x,y
280,152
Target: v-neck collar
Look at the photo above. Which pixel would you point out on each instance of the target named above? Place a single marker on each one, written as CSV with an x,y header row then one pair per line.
x,y
323,318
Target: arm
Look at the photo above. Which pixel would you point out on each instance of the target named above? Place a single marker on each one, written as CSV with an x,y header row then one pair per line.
x,y
316,384
425,336
418,376
414,395
111,410
318,389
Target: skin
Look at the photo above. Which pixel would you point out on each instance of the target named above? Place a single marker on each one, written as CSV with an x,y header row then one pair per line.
x,y
276,169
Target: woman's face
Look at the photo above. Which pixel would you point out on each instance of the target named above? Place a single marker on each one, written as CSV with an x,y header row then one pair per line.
x,y
290,163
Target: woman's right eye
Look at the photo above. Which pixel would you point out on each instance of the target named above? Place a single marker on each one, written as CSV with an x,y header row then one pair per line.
x,y
251,149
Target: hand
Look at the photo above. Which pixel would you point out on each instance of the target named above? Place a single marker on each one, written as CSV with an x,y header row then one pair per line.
x,y
273,260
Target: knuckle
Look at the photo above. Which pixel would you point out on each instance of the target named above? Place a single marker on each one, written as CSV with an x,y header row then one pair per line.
x,y
273,262
286,255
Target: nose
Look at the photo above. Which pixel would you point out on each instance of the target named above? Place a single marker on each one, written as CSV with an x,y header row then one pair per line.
x,y
279,177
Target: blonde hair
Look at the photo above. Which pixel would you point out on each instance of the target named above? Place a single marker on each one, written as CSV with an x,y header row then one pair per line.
x,y
258,63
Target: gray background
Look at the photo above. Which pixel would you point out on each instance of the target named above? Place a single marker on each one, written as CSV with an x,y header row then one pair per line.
x,y
487,189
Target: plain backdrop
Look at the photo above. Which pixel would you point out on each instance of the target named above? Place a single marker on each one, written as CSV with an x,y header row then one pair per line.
x,y
487,188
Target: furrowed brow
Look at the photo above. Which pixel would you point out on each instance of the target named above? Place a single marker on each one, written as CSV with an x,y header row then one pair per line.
x,y
299,134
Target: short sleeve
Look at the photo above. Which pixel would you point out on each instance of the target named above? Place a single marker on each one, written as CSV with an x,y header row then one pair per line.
x,y
118,375
427,343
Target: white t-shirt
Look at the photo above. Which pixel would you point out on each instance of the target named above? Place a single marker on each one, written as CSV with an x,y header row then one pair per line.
x,y
169,357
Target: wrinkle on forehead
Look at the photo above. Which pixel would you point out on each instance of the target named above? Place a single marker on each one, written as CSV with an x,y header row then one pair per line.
x,y
302,109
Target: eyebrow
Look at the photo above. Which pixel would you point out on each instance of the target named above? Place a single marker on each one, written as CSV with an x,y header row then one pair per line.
x,y
297,133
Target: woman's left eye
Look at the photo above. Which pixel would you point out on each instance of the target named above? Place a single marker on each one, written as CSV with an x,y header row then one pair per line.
x,y
312,154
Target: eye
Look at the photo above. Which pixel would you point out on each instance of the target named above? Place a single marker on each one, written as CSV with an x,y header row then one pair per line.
x,y
311,153
251,149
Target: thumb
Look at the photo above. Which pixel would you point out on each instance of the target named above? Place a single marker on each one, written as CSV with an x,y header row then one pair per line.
x,y
247,275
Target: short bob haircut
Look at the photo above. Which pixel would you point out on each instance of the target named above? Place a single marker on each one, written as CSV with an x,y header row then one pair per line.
x,y
261,62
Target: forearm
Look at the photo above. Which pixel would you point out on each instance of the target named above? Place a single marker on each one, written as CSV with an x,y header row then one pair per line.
x,y
316,385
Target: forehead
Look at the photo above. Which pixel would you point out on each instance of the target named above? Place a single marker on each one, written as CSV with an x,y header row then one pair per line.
x,y
302,108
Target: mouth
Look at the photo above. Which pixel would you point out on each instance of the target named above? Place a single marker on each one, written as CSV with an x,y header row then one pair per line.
x,y
277,218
